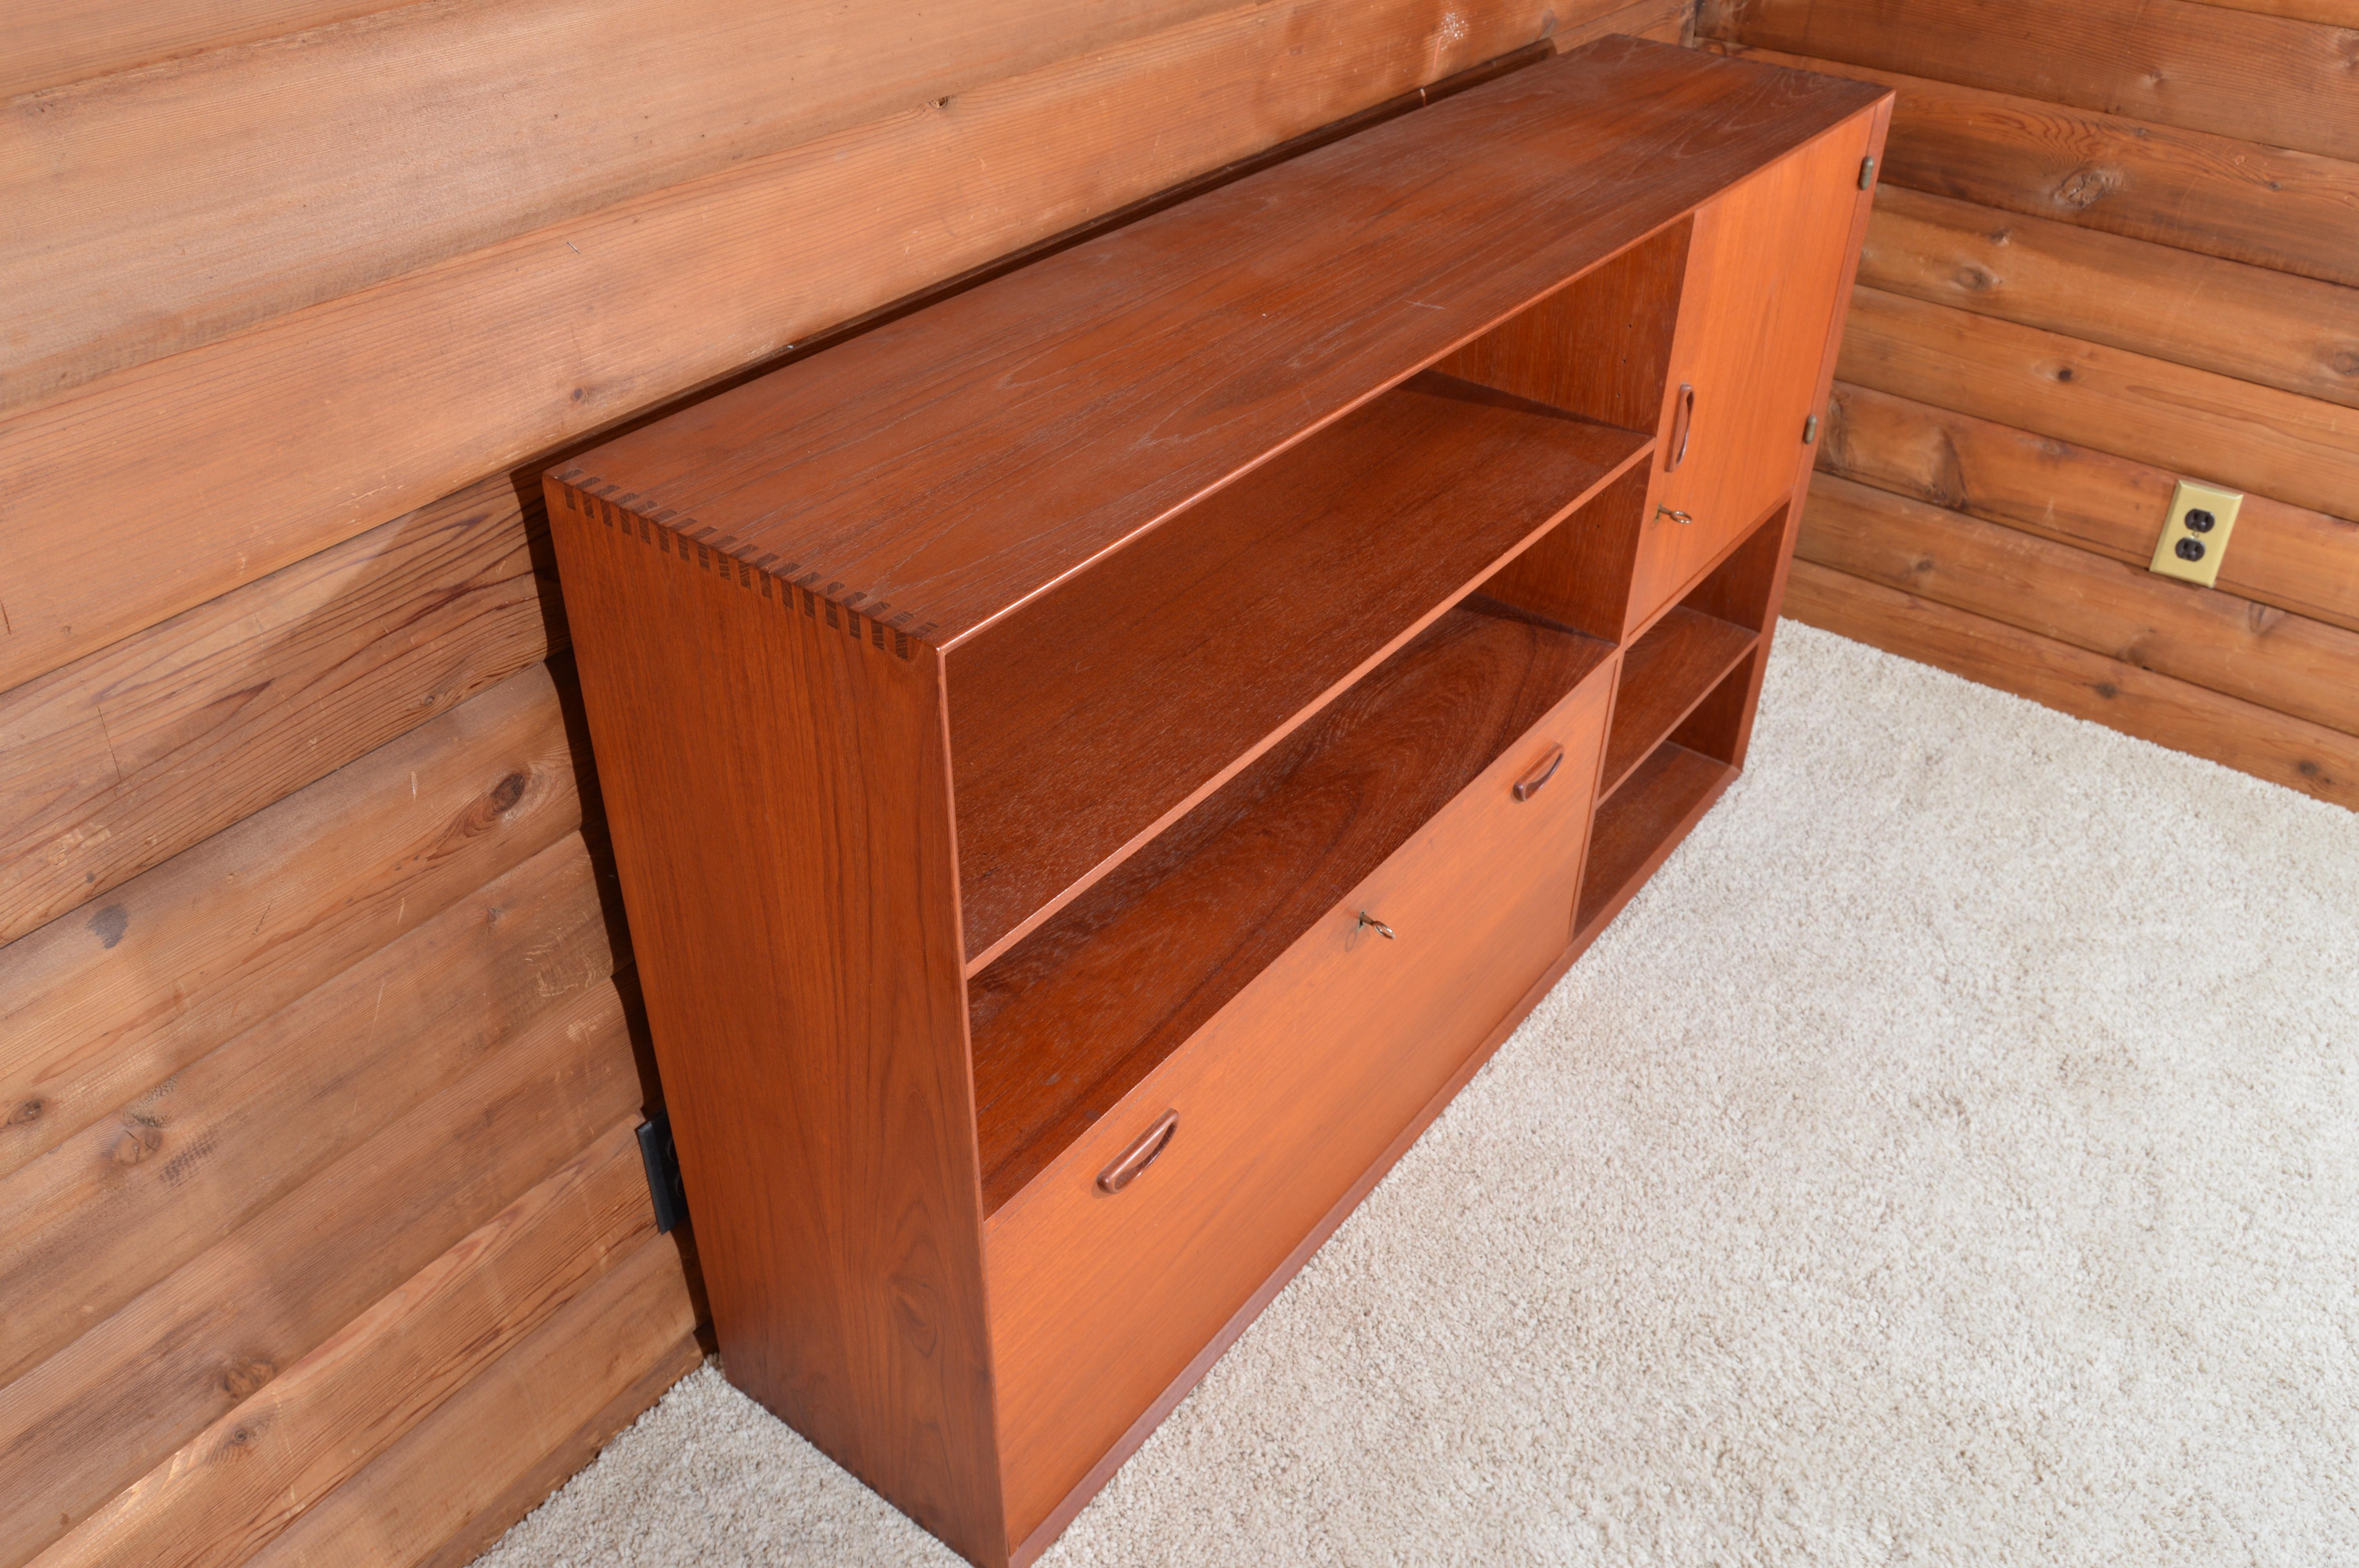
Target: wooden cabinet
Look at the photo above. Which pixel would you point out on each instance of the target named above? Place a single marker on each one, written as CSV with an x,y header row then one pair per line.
x,y
1096,762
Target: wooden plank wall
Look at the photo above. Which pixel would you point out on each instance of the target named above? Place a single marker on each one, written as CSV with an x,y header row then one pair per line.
x,y
324,1237
2117,245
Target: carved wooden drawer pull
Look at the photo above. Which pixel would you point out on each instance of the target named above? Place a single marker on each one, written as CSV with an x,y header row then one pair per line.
x,y
1529,784
1140,1154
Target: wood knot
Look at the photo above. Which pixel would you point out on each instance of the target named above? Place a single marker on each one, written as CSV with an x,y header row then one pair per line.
x,y
1974,279
508,792
109,924
2084,188
26,1112
244,1379
137,1143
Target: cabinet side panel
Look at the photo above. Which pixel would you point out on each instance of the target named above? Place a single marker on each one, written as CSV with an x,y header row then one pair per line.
x,y
776,767
1872,125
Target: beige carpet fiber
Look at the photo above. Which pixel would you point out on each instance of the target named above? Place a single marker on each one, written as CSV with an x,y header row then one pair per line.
x,y
1951,1158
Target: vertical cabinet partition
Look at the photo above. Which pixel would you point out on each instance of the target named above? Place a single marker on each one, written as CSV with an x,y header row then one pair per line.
x,y
1095,764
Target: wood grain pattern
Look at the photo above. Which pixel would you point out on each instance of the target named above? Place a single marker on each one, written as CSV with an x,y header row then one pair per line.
x,y
239,1482
2203,426
481,361
795,985
497,1447
1599,347
1284,1100
2266,79
45,42
2174,713
143,1381
1664,674
1098,713
104,1004
1027,397
2288,557
1072,1020
2222,196
165,207
99,1217
122,759
2294,666
2293,333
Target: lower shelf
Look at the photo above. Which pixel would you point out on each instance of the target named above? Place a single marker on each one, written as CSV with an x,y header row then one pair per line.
x,y
1640,824
1664,675
1073,1017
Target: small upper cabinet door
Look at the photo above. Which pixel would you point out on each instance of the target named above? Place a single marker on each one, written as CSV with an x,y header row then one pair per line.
x,y
1765,268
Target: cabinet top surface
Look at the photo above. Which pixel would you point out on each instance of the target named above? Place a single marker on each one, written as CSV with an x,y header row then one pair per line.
x,y
939,470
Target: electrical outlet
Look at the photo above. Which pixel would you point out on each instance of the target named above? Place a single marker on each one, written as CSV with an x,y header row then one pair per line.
x,y
2195,534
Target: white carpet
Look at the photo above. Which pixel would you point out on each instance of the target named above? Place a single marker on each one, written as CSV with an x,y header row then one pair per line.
x,y
1951,1158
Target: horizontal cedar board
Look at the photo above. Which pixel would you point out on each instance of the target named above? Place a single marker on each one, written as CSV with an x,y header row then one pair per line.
x,y
127,1200
2174,713
223,463
45,42
2202,425
164,208
94,1418
2287,663
105,1003
511,1436
2292,211
534,1487
226,1492
1336,553
1031,402
2275,80
2293,333
120,761
2284,556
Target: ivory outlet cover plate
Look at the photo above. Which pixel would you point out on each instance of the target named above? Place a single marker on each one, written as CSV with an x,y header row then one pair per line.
x,y
2195,534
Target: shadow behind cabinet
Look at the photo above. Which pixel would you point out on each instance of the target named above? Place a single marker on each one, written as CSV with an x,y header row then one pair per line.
x,y
1096,764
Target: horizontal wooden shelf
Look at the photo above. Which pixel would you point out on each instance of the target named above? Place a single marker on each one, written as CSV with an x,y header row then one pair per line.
x,y
1664,675
1079,1012
1098,713
1641,822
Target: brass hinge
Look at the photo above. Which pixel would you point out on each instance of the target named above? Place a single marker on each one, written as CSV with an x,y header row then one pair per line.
x,y
1810,430
1866,172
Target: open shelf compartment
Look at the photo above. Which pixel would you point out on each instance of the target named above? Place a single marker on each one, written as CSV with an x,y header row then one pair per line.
x,y
1655,804
1076,1014
1683,656
1086,721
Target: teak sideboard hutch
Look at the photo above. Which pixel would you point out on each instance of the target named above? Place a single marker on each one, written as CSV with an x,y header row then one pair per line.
x,y
1095,764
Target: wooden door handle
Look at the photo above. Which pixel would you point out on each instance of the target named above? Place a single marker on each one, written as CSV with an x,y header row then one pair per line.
x,y
1140,1154
1682,426
1529,784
